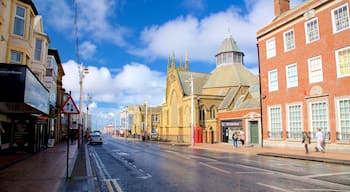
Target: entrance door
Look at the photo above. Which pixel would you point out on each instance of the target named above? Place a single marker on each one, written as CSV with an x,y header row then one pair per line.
x,y
254,132
225,135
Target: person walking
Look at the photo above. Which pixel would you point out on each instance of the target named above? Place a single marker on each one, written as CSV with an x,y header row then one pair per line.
x,y
235,139
306,141
242,137
319,140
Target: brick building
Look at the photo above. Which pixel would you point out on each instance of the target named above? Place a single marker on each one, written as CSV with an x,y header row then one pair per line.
x,y
304,60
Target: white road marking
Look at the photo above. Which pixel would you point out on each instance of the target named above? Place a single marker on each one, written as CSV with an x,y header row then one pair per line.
x,y
291,176
252,172
326,174
145,177
273,187
178,154
328,190
199,157
218,169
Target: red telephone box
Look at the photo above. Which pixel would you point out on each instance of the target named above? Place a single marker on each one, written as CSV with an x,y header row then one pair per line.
x,y
198,134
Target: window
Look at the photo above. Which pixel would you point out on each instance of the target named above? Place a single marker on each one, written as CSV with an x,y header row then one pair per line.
x,y
38,48
275,124
344,119
315,69
273,80
288,38
213,112
271,48
311,31
295,124
19,21
292,75
16,57
340,18
319,117
342,57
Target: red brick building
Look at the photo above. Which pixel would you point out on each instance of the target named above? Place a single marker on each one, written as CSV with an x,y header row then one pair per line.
x,y
304,60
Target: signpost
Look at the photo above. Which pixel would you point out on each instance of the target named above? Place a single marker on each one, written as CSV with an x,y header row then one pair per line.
x,y
69,108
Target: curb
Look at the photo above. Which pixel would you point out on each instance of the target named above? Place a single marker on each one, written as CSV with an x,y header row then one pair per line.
x,y
90,179
306,158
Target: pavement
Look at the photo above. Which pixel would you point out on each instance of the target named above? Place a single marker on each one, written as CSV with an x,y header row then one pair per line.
x,y
47,170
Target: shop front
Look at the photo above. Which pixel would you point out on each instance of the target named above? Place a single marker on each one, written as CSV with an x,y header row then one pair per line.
x,y
24,108
228,127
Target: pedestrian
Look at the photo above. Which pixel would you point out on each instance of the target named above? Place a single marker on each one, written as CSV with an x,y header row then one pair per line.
x,y
242,137
235,139
319,140
1,132
306,141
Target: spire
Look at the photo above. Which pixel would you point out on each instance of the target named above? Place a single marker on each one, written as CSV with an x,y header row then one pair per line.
x,y
168,61
186,63
173,61
181,68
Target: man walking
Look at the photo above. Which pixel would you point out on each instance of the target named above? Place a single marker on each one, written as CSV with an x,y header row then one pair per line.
x,y
319,140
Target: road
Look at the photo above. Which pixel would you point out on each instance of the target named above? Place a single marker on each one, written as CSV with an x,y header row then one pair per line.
x,y
124,165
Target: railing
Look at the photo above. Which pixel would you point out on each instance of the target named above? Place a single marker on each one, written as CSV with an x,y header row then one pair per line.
x,y
294,134
343,136
275,134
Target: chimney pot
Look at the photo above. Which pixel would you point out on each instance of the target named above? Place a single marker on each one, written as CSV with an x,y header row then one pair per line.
x,y
281,6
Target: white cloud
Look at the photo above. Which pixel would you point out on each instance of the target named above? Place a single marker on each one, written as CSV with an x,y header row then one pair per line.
x,y
87,50
130,86
201,38
92,19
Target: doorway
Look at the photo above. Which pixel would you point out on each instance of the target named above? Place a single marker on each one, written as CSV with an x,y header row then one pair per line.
x,y
254,132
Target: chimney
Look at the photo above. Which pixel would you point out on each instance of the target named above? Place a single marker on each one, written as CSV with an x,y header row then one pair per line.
x,y
281,6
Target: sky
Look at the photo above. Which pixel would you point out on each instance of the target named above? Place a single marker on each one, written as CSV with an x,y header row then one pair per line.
x,y
125,44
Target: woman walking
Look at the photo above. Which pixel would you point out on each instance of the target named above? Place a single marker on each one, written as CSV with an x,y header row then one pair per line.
x,y
235,139
306,141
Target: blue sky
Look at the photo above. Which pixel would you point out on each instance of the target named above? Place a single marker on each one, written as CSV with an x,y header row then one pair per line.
x,y
126,44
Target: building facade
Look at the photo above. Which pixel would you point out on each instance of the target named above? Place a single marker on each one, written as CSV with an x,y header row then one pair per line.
x,y
209,107
28,102
304,61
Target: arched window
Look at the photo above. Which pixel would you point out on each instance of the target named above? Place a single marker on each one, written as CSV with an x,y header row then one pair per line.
x,y
202,114
213,112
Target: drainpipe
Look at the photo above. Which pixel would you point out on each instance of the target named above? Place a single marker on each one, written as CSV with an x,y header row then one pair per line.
x,y
260,99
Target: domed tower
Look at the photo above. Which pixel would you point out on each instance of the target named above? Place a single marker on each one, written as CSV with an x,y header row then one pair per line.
x,y
229,53
229,71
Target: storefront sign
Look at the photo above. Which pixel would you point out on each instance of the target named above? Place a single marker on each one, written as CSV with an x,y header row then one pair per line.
x,y
35,93
232,123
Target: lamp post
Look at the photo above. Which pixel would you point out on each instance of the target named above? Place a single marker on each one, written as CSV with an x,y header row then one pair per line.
x,y
87,121
82,71
192,109
145,133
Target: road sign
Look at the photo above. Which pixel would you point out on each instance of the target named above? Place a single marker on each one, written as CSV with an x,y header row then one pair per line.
x,y
70,107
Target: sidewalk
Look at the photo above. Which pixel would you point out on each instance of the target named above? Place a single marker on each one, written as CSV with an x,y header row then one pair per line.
x,y
43,171
328,157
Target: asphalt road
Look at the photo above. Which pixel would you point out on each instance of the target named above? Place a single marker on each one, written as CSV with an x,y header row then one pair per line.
x,y
123,165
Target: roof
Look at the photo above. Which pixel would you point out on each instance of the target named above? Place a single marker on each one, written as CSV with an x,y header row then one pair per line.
x,y
291,15
199,80
30,2
230,75
228,45
228,98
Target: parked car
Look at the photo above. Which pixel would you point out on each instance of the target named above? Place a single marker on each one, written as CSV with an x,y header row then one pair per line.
x,y
96,138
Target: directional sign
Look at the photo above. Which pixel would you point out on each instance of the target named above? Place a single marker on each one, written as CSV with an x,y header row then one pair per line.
x,y
70,107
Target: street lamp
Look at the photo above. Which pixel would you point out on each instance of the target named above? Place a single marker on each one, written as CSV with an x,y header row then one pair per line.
x,y
192,109
145,133
87,119
82,71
